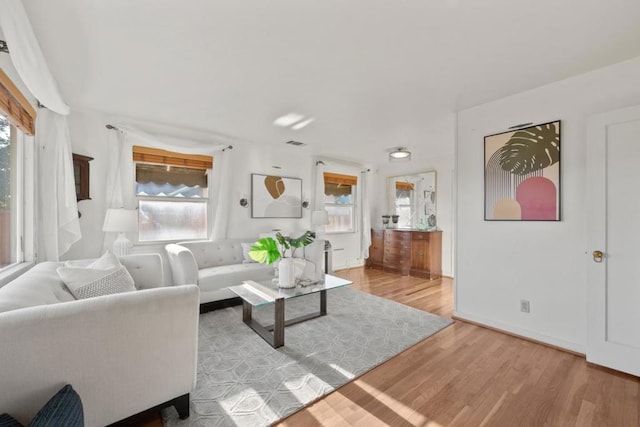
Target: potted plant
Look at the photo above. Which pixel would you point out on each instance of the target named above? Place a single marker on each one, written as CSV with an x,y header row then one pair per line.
x,y
269,250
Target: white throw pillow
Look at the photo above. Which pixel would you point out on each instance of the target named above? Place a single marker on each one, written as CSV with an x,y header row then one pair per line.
x,y
246,247
104,276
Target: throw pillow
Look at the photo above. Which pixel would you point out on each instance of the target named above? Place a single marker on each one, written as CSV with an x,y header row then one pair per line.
x,y
7,420
63,409
104,276
246,247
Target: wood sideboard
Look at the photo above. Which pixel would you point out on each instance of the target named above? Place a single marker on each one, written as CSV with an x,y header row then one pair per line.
x,y
407,252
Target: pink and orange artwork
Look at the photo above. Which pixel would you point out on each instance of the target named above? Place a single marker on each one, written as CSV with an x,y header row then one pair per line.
x,y
522,174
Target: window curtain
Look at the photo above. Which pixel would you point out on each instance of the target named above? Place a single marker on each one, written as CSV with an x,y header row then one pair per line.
x,y
58,224
318,199
365,230
222,201
119,180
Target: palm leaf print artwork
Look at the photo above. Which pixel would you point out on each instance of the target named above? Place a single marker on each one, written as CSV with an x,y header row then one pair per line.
x,y
531,149
522,174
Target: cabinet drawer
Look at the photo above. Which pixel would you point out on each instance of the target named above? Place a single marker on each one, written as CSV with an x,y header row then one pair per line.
x,y
398,246
394,236
417,235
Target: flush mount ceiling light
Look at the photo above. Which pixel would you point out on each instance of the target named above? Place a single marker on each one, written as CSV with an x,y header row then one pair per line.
x,y
294,121
400,154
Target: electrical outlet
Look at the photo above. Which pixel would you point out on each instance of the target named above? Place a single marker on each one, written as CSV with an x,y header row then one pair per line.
x,y
524,306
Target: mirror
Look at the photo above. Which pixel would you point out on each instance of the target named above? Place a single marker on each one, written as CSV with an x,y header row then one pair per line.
x,y
411,201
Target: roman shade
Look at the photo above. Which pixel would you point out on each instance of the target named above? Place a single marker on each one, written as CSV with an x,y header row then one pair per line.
x,y
171,158
339,179
15,106
401,185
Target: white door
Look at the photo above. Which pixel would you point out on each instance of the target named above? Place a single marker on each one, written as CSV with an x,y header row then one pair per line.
x,y
613,205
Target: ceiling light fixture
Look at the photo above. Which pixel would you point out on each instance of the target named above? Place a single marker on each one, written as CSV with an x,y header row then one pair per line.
x,y
400,154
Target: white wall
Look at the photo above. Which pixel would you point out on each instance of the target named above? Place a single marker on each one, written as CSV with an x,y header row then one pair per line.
x,y
500,263
90,137
423,161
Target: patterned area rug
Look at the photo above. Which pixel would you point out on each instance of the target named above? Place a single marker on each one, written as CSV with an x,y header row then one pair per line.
x,y
243,381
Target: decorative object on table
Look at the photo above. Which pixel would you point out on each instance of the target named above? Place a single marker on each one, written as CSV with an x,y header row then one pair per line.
x,y
275,196
431,221
269,250
522,174
385,220
121,221
394,219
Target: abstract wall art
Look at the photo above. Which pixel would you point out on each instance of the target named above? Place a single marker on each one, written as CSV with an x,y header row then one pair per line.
x,y
522,174
275,196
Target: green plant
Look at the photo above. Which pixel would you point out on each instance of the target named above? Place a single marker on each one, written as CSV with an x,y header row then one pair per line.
x,y
268,250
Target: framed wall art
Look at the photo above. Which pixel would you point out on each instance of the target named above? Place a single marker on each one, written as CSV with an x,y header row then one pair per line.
x,y
275,196
522,174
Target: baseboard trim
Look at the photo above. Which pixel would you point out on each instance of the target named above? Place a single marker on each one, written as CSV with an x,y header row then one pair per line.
x,y
541,339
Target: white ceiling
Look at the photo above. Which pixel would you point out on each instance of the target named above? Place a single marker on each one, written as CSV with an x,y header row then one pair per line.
x,y
374,73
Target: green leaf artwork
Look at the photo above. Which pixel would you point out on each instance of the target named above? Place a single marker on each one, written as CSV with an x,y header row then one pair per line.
x,y
531,149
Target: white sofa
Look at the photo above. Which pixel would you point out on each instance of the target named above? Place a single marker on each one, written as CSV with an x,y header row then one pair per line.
x,y
122,353
215,265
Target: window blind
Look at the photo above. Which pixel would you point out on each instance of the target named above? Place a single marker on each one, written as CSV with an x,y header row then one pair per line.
x,y
339,179
400,185
15,106
164,157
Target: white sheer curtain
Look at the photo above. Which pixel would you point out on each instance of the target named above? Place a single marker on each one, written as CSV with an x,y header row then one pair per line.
x,y
120,178
222,162
365,230
318,196
58,223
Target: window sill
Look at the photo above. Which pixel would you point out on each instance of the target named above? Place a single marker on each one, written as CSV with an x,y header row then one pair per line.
x,y
14,271
333,233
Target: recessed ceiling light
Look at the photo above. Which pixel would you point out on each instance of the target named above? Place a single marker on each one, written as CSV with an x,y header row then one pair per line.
x,y
302,124
288,120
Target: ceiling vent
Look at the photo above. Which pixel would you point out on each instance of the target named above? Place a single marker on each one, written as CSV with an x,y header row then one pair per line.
x,y
296,143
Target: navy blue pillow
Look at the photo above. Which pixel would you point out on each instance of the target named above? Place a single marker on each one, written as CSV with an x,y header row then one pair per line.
x,y
7,420
63,409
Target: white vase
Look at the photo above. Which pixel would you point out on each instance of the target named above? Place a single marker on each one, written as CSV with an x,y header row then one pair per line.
x,y
286,273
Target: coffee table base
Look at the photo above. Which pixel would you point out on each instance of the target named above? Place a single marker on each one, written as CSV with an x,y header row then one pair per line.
x,y
274,334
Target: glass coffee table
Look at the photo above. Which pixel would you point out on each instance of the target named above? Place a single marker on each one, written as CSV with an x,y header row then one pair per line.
x,y
256,294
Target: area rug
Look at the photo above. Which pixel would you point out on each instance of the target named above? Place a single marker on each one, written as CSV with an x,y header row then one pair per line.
x,y
243,381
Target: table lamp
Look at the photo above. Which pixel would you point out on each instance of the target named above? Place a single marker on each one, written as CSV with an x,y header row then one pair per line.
x,y
121,221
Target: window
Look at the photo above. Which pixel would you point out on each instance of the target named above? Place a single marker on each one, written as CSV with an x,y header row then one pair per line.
x,y
17,118
173,194
339,201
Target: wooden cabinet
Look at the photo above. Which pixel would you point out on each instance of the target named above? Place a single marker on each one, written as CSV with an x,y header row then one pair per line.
x,y
376,250
407,252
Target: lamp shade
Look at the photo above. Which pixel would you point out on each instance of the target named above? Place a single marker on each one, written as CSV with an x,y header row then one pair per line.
x,y
319,217
121,220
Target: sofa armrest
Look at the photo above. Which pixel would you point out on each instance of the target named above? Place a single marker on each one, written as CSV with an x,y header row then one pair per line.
x,y
122,353
184,268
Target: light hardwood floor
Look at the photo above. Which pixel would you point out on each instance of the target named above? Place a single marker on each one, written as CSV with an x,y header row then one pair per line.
x,y
467,375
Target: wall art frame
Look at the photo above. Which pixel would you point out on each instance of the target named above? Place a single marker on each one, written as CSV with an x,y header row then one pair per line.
x,y
274,196
522,174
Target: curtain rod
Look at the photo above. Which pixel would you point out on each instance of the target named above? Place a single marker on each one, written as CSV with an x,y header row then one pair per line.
x,y
112,127
3,46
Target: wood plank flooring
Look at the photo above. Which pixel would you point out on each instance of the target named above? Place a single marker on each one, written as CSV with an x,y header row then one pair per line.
x,y
467,375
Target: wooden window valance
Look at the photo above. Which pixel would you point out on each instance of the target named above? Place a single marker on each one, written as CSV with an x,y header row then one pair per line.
x,y
339,179
164,157
15,106
400,185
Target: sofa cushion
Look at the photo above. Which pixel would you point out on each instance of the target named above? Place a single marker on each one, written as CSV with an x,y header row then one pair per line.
x,y
39,286
229,275
214,253
63,409
104,276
